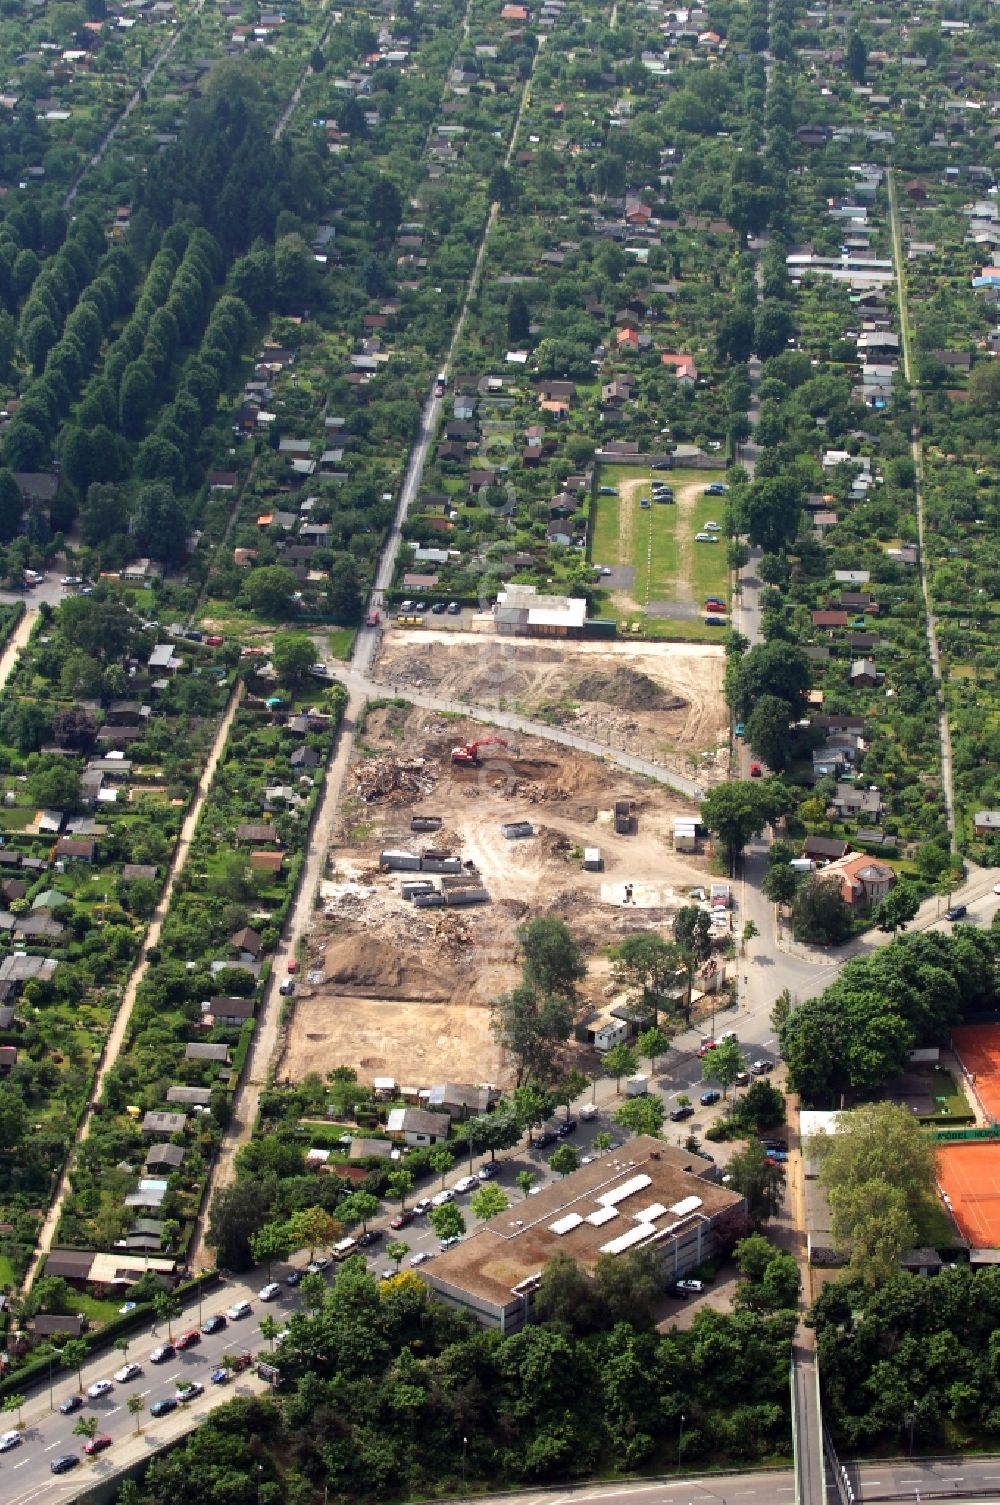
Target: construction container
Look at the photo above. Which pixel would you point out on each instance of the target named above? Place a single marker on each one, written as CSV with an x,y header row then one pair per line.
x,y
593,862
515,830
399,862
456,897
414,886
440,862
429,899
425,823
637,1086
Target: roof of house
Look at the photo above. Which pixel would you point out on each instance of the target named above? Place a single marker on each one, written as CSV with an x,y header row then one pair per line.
x,y
221,1007
170,1155
155,1122
247,940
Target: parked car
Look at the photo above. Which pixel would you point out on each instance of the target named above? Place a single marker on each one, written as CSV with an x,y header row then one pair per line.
x,y
742,1079
401,1219
568,1126
423,1205
716,489
741,728
755,770
369,1237
956,912
128,1372
589,1112
270,1292
488,1171
545,1138
239,1309
97,1444
188,1340
690,1287
762,1066
447,1243
644,502
213,1324
162,1354
705,1047
466,1183
607,490
220,1376
442,1197
99,1389
775,1144
438,608
706,538
713,620
778,1157
64,1463
287,988
421,1257
319,1264
710,1097
10,1440
454,609
189,1391
163,1407
70,1404
126,1307
678,1115
293,1277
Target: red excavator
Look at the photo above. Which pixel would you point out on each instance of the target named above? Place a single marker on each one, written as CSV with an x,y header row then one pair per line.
x,y
467,756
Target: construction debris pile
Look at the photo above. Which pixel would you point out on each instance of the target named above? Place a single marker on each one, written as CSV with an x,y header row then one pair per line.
x,y
387,778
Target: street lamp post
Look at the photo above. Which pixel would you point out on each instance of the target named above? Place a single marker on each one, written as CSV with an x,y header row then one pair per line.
x,y
465,1446
52,1402
680,1442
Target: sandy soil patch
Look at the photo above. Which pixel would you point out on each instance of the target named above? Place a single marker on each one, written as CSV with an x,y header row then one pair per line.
x,y
398,990
660,699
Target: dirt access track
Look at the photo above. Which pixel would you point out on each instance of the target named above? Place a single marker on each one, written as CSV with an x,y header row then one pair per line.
x,y
395,990
662,699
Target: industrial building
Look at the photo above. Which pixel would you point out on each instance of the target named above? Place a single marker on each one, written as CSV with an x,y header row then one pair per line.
x,y
646,1195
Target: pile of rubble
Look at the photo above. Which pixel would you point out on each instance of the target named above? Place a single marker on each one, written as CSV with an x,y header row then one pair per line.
x,y
387,778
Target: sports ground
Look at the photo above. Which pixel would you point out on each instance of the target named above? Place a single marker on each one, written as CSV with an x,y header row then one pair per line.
x,y
969,1174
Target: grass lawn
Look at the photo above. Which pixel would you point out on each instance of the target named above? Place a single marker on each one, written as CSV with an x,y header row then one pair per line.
x,y
96,1311
604,542
8,1275
949,1099
341,641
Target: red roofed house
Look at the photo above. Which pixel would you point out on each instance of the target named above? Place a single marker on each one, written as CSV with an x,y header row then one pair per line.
x,y
514,13
829,619
628,338
862,882
684,367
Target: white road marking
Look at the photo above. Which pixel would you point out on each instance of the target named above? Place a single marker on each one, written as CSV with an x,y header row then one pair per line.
x,y
51,1446
173,1376
21,1465
114,1410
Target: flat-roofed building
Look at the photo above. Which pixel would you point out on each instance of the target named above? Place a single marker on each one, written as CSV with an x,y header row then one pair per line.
x,y
646,1196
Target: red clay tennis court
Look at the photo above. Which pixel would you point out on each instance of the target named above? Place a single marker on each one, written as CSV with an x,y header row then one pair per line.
x,y
969,1175
978,1046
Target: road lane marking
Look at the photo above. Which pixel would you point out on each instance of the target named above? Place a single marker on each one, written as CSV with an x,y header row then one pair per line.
x,y
21,1465
51,1446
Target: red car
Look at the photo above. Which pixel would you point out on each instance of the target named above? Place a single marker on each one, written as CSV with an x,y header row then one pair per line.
x,y
97,1444
755,770
214,641
293,967
705,1047
401,1219
187,1340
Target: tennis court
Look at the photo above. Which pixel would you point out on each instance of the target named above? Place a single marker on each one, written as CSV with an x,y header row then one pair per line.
x,y
969,1175
978,1046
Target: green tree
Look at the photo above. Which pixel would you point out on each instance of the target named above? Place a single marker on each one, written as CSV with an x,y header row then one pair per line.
x,y
167,1308
269,591
14,1119
311,1226
269,1243
399,1185
11,507
447,1221
856,57
269,1329
14,1403
769,731
551,959
879,1173
385,206
621,1060
159,523
532,1104
724,1064
397,1249
73,1355
293,655
603,1140
359,1207
641,1115
780,883
652,1043
86,1427
648,962
564,1160
820,914
237,1212
489,1201
136,1405
897,908
442,1161
497,1130
529,1026
759,1180
54,783
693,935
741,809
777,669
524,1181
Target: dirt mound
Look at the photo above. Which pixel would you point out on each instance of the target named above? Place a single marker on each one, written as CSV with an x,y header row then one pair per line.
x,y
628,690
355,965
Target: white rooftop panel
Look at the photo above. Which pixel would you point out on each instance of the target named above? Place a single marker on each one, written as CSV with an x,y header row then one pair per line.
x,y
601,1216
648,1214
626,1240
626,1189
563,1225
685,1205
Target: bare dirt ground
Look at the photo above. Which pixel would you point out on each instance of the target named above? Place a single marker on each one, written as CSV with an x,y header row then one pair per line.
x,y
400,991
663,699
